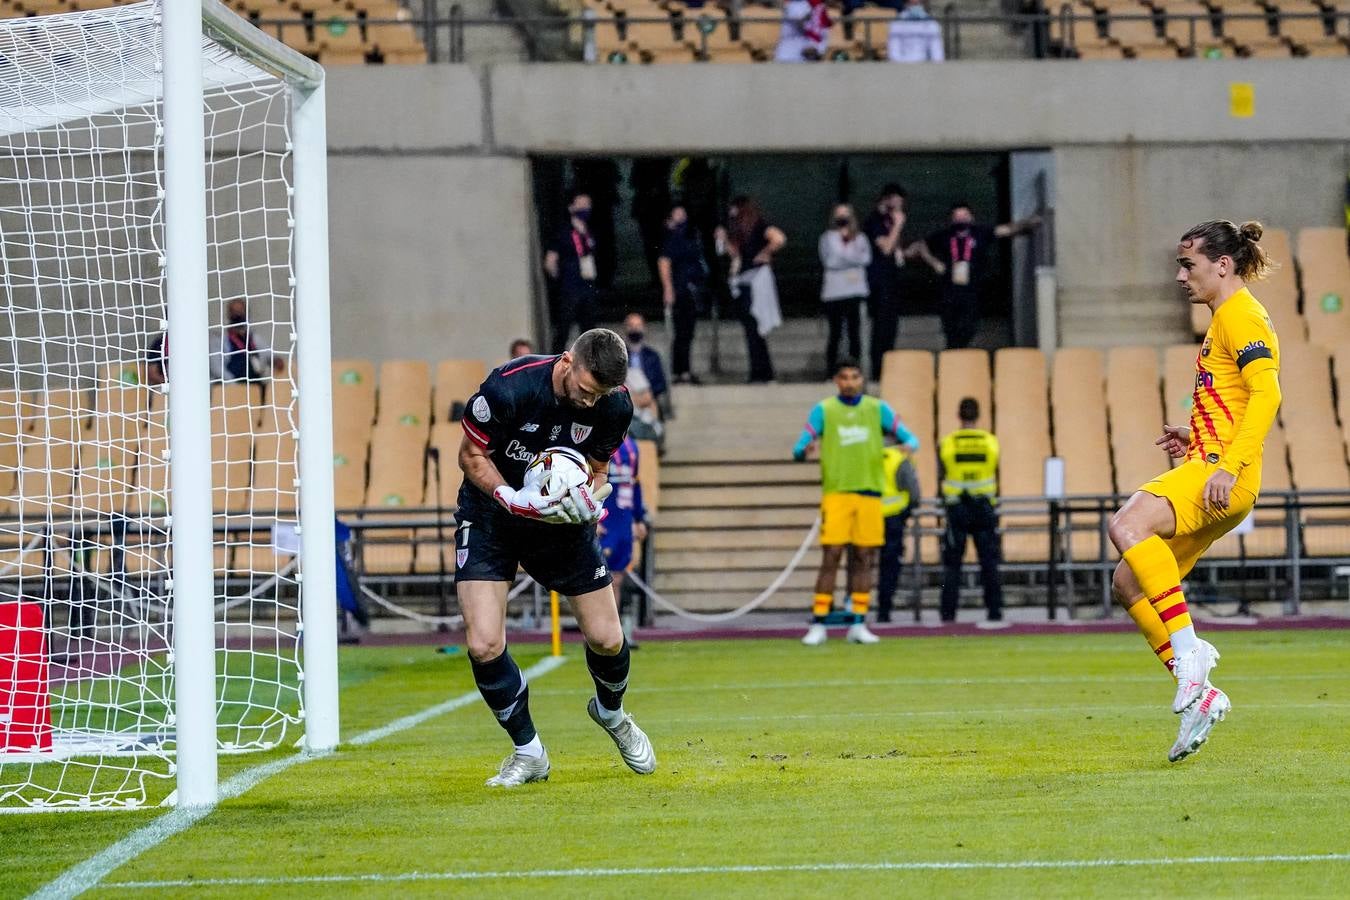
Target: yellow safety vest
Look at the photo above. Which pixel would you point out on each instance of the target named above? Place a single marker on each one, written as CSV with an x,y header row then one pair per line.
x,y
893,500
969,464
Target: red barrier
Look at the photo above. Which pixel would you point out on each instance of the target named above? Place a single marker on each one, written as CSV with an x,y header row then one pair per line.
x,y
25,712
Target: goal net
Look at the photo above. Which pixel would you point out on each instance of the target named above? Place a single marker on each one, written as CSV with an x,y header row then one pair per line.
x,y
87,531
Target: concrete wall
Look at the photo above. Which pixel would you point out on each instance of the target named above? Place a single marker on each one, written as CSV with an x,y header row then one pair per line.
x,y
432,235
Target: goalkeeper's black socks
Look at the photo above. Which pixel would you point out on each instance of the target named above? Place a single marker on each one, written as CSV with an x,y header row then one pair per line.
x,y
503,686
610,674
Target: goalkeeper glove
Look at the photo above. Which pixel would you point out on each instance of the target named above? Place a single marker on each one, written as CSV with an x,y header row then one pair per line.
x,y
583,506
529,503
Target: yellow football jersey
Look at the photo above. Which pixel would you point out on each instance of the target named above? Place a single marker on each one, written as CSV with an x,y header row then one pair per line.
x,y
1240,343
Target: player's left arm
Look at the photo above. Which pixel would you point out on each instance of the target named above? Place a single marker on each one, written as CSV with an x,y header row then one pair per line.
x,y
893,427
1252,343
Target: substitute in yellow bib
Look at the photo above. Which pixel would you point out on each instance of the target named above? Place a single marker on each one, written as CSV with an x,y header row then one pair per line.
x,y
968,469
899,491
1169,522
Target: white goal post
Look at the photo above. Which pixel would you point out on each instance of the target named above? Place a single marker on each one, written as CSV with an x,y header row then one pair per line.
x,y
167,564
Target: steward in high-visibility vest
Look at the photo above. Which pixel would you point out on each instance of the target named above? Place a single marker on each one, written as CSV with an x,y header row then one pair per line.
x,y
968,469
899,490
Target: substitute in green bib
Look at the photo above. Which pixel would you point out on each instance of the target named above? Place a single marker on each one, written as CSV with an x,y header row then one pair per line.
x,y
849,431
968,469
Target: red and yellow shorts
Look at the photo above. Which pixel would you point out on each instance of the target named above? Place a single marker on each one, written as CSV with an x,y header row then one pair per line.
x,y
851,519
1198,527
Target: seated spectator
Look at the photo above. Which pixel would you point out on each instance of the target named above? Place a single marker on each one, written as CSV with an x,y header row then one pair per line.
x,y
520,347
242,354
647,359
914,36
845,253
805,32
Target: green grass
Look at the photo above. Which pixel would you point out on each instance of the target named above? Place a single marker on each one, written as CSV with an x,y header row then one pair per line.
x,y
932,749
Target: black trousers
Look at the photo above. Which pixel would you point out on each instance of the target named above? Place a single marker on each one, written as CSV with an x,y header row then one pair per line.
x,y
685,315
761,366
572,307
883,307
892,560
977,519
960,316
841,314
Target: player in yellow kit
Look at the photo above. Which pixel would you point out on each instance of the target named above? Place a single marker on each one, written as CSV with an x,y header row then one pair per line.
x,y
1164,528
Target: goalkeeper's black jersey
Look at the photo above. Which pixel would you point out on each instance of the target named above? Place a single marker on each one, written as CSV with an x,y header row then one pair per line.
x,y
515,415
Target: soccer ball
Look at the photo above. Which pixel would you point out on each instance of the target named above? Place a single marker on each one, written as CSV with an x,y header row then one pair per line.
x,y
557,470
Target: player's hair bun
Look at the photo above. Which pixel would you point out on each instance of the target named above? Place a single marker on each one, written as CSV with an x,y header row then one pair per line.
x,y
1251,231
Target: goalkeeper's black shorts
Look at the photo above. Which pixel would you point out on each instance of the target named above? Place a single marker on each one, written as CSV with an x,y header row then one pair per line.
x,y
491,543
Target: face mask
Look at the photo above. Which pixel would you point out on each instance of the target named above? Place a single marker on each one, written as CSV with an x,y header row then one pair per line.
x,y
635,337
583,215
841,223
680,227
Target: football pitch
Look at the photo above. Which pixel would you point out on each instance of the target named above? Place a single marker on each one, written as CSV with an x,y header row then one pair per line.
x,y
1000,765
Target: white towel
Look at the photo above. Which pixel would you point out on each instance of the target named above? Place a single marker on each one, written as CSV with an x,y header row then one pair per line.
x,y
763,297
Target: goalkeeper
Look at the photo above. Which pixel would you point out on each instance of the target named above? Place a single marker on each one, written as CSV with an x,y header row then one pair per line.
x,y
576,400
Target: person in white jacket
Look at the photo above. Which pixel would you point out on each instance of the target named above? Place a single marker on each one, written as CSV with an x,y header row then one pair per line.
x,y
845,253
914,36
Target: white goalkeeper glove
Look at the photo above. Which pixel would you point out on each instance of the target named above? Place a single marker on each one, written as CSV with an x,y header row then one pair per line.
x,y
529,503
583,506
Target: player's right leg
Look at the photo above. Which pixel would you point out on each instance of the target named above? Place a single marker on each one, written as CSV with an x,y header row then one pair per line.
x,y
1132,599
500,681
1138,530
608,660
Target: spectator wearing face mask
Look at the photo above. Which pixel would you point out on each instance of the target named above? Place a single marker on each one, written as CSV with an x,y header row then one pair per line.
x,y
883,228
751,243
962,256
570,264
845,254
646,359
684,280
243,354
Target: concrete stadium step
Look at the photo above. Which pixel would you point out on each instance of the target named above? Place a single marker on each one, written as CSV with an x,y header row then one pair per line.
x,y
719,601
673,541
726,560
722,473
739,496
748,580
757,517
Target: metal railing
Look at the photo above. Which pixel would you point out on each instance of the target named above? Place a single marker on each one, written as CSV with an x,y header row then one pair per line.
x,y
576,37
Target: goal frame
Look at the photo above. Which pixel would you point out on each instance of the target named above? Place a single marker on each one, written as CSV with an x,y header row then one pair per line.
x,y
184,24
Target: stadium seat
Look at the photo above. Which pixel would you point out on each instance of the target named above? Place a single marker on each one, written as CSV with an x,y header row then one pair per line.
x,y
1078,409
1131,26
456,382
397,461
1022,425
1133,399
233,406
445,437
1179,383
405,392
907,383
11,427
60,414
1195,33
1305,379
1308,33
1326,285
398,44
152,469
649,473
1341,371
275,489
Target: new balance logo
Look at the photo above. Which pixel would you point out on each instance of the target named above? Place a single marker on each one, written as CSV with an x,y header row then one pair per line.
x,y
601,572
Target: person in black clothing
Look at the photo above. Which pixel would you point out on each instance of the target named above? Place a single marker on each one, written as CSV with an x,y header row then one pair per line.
x,y
962,255
684,277
882,227
650,180
576,401
570,262
752,242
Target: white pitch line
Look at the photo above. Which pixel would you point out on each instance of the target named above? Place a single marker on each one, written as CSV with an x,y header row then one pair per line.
x,y
88,874
942,865
638,690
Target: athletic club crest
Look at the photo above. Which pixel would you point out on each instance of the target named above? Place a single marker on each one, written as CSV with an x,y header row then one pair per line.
x,y
580,432
461,557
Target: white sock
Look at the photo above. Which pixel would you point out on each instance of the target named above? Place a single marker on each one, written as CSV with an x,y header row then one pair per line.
x,y
610,717
1184,641
534,748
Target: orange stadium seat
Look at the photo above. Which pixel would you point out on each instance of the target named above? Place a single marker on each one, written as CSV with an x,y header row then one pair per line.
x,y
1078,408
1022,425
456,382
907,382
405,392
1326,285
1133,399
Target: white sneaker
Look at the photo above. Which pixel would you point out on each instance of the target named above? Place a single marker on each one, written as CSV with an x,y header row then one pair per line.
x,y
518,769
1192,674
815,635
634,745
1198,721
859,633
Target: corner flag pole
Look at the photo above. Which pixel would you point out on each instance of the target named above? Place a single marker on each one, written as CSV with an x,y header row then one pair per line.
x,y
556,622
